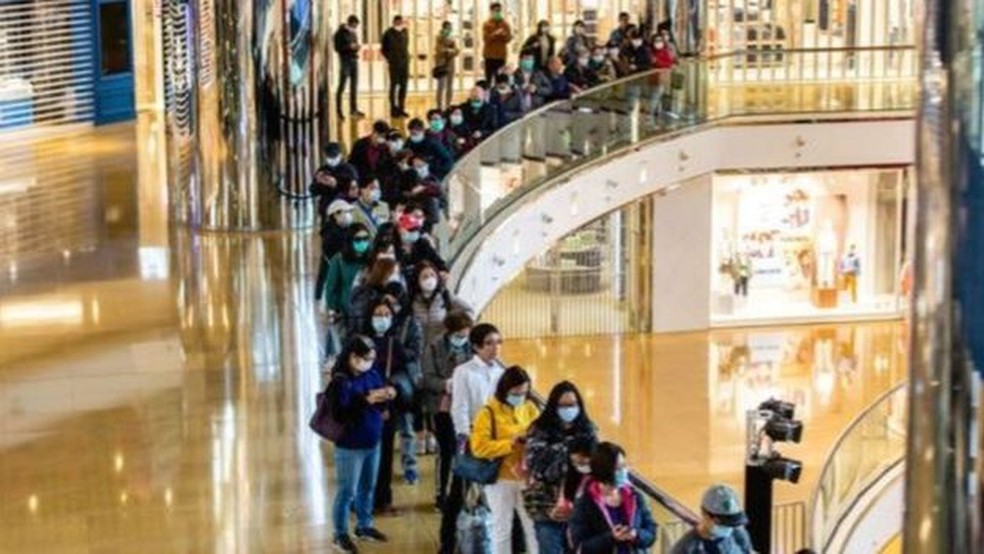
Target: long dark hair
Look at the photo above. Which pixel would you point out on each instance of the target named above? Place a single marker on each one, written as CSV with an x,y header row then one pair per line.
x,y
514,376
549,420
357,345
348,251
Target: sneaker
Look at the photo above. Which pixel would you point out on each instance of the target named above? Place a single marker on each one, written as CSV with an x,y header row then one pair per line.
x,y
410,477
432,444
344,544
370,534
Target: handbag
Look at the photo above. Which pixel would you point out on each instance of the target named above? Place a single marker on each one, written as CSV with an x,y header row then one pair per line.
x,y
325,422
478,470
439,72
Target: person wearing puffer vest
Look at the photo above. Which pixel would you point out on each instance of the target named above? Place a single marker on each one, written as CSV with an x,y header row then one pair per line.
x,y
432,301
611,516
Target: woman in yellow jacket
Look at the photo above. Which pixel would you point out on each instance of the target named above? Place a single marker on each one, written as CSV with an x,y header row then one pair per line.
x,y
512,412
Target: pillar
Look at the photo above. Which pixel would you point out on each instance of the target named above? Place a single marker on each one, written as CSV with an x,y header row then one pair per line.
x,y
246,102
943,503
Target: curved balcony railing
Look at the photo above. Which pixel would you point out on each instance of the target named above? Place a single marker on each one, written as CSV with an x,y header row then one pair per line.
x,y
869,449
564,137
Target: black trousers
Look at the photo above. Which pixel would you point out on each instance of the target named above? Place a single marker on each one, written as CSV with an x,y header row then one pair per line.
x,y
319,287
446,443
348,71
492,68
453,503
399,75
384,482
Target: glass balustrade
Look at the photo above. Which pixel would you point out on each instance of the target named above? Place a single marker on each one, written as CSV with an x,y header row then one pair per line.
x,y
868,449
567,135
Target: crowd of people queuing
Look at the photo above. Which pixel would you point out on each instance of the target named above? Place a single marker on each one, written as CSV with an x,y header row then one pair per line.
x,y
547,70
407,357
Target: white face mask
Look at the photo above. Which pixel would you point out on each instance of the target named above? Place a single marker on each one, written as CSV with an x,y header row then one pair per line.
x,y
456,119
396,146
636,43
582,61
613,52
428,284
659,45
583,469
333,162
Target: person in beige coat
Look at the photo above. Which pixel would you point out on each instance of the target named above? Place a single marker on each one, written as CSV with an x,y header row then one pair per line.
x,y
445,52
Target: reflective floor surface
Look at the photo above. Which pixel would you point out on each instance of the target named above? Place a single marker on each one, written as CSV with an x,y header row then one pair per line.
x,y
155,384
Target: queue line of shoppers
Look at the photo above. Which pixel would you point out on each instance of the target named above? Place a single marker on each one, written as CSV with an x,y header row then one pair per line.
x,y
581,63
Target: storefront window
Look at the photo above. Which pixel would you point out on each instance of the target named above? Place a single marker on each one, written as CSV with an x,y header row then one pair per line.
x,y
114,38
806,244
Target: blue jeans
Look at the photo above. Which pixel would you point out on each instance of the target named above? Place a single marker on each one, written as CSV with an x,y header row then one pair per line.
x,y
355,474
552,537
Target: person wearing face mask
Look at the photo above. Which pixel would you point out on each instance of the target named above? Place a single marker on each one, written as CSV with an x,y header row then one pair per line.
x,y
620,33
445,52
505,102
369,209
332,179
422,189
395,48
611,515
439,131
334,236
369,288
343,268
393,363
532,84
510,413
578,42
479,116
722,526
602,66
444,353
620,56
361,401
542,44
579,74
415,248
639,54
347,47
370,153
664,56
441,159
432,301
558,452
496,36
463,135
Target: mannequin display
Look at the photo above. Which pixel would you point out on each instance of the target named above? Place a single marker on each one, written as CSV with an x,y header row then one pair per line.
x,y
741,273
850,268
826,248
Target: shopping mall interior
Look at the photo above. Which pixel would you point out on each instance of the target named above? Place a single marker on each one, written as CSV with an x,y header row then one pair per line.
x,y
790,211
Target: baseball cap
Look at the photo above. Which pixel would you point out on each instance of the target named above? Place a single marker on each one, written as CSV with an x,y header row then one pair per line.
x,y
339,206
721,502
408,222
332,149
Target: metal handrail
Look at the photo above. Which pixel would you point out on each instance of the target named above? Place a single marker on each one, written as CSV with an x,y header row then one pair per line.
x,y
844,434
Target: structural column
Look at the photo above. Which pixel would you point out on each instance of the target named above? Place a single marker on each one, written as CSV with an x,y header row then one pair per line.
x,y
943,503
246,92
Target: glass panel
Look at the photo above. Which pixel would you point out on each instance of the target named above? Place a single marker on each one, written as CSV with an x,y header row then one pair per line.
x,y
870,447
566,135
114,39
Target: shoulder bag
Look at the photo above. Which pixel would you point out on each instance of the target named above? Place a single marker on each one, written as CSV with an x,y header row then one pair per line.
x,y
325,422
478,470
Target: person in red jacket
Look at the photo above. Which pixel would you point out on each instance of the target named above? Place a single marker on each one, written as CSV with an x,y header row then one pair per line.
x,y
663,55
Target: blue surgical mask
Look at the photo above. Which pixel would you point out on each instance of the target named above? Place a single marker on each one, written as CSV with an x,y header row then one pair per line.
x,y
458,341
526,65
516,400
376,195
416,137
621,477
423,171
381,323
568,414
411,237
720,531
360,246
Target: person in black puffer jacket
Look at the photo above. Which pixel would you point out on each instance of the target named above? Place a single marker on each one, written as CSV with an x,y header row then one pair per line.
x,y
558,450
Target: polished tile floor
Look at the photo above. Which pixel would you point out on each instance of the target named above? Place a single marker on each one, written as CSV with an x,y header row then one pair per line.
x,y
155,384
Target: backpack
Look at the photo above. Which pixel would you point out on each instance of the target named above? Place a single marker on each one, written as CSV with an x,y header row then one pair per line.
x,y
325,421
